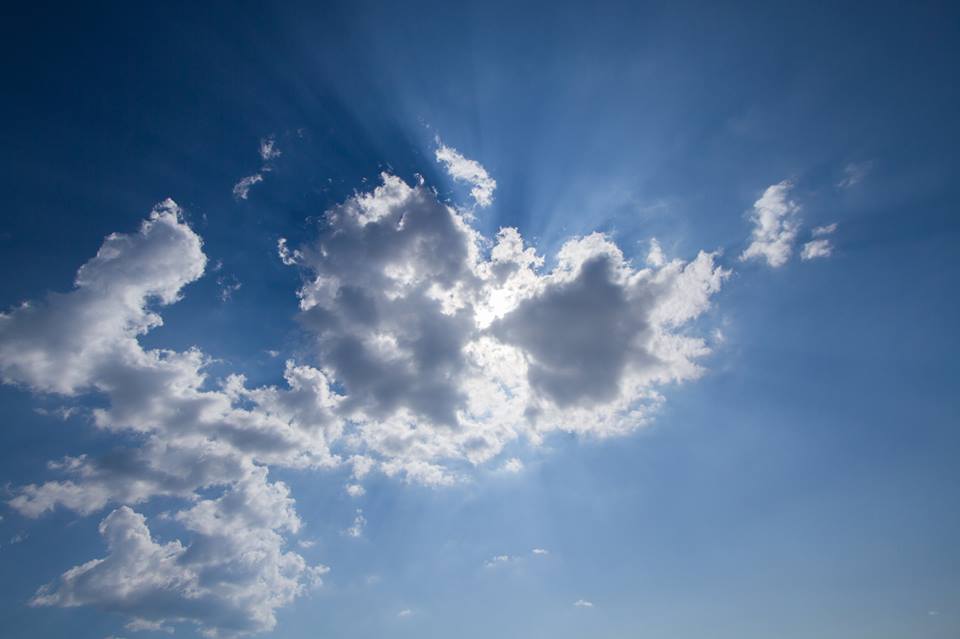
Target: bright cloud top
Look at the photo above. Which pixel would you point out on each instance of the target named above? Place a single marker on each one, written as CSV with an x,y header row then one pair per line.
x,y
443,347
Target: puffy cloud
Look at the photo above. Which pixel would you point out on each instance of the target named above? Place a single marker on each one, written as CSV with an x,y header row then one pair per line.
x,y
435,349
540,551
449,347
816,249
228,580
463,169
185,437
821,247
242,188
63,343
774,229
583,603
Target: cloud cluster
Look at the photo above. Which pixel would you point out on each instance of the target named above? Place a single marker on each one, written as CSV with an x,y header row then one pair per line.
x,y
776,228
233,572
268,152
435,348
449,346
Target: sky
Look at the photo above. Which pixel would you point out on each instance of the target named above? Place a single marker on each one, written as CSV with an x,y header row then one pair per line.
x,y
480,319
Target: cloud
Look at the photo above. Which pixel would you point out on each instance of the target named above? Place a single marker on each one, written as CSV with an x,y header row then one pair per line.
x,y
229,580
774,229
498,560
819,248
583,603
435,348
462,169
540,551
242,188
512,465
359,523
182,438
854,173
268,152
406,612
816,249
268,149
449,347
355,490
824,230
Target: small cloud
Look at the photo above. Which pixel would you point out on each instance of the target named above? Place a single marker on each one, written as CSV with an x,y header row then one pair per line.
x,y
228,284
540,551
268,148
242,188
583,603
62,412
512,465
145,625
306,543
498,560
19,538
820,231
774,229
272,353
359,522
463,169
406,612
355,490
816,249
854,173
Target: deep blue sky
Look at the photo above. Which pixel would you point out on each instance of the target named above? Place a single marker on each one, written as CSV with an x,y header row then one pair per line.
x,y
807,485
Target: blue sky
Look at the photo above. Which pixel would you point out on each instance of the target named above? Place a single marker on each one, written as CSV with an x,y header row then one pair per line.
x,y
765,446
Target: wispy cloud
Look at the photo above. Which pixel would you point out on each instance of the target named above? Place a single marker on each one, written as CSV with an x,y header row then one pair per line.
x,y
463,169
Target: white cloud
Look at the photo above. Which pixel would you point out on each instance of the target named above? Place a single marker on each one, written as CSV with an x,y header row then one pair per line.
x,y
435,349
355,490
242,188
425,331
540,551
359,523
512,465
816,249
142,625
774,229
228,581
655,257
828,229
462,169
406,612
184,438
498,560
583,603
268,148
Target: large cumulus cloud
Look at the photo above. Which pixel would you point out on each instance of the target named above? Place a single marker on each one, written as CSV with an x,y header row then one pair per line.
x,y
435,347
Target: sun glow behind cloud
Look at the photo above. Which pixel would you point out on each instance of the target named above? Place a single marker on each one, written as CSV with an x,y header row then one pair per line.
x,y
436,348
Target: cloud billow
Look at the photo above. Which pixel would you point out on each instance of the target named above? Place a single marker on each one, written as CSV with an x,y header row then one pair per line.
x,y
435,348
